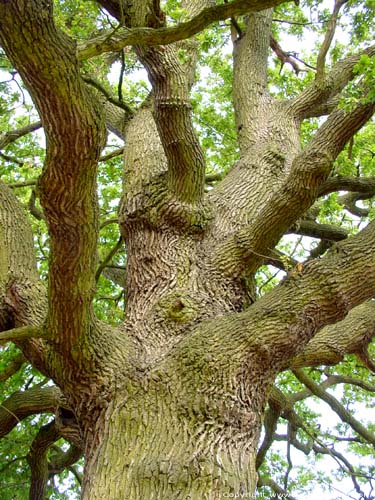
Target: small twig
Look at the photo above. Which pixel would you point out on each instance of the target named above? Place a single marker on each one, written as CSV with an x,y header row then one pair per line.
x,y
108,258
12,159
283,56
13,135
109,156
108,96
21,184
107,222
121,76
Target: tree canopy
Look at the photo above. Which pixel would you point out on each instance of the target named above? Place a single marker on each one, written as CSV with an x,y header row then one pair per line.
x,y
186,236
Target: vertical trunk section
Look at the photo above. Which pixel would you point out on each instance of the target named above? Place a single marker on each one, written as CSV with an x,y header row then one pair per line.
x,y
154,447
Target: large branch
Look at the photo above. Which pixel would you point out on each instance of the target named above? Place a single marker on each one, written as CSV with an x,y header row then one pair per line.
x,y
251,99
319,97
23,301
277,327
23,404
75,135
163,36
349,336
245,250
171,82
171,76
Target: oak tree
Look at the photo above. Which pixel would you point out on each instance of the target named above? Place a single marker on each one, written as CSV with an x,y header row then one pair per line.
x,y
141,312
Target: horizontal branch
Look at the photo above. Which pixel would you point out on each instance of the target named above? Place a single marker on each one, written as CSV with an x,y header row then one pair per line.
x,y
316,230
22,404
113,154
14,185
12,136
340,183
23,333
162,36
332,343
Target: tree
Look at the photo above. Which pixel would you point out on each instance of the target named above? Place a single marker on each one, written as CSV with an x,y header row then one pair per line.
x,y
168,399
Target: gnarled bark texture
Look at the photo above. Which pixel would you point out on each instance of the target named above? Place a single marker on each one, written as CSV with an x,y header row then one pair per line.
x,y
170,405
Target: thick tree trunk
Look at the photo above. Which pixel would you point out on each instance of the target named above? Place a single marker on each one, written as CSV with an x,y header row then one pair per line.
x,y
155,445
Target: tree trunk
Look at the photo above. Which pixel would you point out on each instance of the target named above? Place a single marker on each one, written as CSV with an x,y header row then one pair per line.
x,y
156,445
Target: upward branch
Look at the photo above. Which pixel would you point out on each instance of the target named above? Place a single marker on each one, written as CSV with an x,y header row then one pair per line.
x,y
319,97
245,250
330,32
46,60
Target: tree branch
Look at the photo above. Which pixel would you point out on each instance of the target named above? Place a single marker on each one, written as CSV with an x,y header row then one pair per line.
x,y
113,154
107,259
38,462
251,100
14,185
22,296
349,202
62,460
309,170
12,136
275,487
23,332
335,406
75,133
109,97
13,367
329,34
332,343
316,230
163,36
339,183
278,326
30,402
313,101
283,56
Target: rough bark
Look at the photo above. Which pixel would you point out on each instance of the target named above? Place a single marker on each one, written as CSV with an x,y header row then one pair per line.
x,y
170,405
